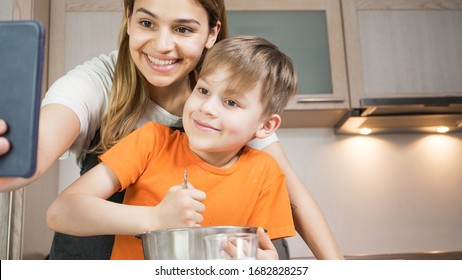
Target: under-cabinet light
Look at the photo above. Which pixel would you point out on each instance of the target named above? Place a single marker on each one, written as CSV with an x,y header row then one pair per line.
x,y
442,129
365,131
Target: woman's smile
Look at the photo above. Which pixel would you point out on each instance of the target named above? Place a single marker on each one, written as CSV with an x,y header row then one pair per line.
x,y
162,65
161,62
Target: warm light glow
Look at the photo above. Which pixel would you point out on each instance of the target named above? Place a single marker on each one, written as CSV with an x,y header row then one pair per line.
x,y
365,131
442,129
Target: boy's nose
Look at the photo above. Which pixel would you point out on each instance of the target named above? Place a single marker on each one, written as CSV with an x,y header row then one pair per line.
x,y
209,106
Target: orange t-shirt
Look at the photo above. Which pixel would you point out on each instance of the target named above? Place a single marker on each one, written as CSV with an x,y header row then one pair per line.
x,y
252,192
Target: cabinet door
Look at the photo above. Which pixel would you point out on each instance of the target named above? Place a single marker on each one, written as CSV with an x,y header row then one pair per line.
x,y
403,48
81,30
310,32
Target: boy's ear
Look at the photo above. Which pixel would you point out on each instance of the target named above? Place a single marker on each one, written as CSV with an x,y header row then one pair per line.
x,y
269,126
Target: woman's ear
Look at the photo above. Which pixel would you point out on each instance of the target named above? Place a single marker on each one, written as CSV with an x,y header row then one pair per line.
x,y
213,35
269,126
127,21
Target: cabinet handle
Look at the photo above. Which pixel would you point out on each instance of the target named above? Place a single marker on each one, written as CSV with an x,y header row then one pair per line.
x,y
319,99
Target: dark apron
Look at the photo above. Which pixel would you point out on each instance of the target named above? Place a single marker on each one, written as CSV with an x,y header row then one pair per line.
x,y
99,247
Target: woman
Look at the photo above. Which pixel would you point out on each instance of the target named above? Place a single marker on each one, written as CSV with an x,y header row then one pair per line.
x,y
161,46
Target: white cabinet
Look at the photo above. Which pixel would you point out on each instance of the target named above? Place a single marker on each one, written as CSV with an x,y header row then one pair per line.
x,y
403,48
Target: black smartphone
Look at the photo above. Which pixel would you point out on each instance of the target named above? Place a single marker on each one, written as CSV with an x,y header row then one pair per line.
x,y
21,66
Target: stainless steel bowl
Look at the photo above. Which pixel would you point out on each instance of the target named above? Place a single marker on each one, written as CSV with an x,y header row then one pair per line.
x,y
182,243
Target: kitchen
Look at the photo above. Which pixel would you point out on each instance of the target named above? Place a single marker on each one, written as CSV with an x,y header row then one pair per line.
x,y
382,193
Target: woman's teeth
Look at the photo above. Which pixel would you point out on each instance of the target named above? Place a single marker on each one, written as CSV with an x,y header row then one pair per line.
x,y
161,62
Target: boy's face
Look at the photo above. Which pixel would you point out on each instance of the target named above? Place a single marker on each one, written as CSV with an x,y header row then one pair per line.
x,y
219,121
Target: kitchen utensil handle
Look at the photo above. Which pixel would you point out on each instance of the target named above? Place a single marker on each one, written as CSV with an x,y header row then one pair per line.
x,y
185,178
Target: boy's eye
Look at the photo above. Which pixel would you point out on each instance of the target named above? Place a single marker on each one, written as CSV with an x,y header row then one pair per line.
x,y
203,91
231,103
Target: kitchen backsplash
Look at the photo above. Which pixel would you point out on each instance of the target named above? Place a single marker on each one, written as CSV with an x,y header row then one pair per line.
x,y
382,194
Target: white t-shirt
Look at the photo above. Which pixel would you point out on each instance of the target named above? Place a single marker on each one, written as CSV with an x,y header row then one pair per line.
x,y
85,90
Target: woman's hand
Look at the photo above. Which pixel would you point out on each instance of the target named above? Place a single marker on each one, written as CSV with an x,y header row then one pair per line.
x,y
4,144
181,207
266,249
59,127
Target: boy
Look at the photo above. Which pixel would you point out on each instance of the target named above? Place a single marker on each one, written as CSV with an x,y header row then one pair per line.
x,y
245,82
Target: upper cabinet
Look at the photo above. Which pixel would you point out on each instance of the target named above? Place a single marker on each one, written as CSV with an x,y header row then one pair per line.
x,y
310,32
81,30
344,50
403,48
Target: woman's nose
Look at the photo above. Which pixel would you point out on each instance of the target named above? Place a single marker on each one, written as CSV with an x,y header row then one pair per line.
x,y
164,41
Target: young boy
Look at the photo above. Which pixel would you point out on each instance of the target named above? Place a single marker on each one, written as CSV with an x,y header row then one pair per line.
x,y
245,82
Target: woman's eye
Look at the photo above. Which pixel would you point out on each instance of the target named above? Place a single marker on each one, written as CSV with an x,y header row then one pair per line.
x,y
146,24
183,30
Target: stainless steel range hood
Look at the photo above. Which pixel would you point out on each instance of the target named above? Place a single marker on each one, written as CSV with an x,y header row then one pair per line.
x,y
403,115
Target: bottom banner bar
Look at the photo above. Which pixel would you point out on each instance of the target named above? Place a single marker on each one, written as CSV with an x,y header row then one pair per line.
x,y
293,269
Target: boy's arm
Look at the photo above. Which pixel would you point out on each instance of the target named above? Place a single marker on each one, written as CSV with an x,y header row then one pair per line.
x,y
82,209
309,220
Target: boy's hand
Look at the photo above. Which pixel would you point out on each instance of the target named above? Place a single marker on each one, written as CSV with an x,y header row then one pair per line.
x,y
182,207
266,249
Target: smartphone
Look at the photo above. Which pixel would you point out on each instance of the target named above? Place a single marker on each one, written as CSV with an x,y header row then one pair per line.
x,y
21,66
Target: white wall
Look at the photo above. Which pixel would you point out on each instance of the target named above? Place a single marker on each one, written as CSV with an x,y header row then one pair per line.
x,y
382,194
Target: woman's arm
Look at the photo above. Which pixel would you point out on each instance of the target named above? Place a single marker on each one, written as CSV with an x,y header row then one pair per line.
x,y
309,220
58,129
84,90
82,209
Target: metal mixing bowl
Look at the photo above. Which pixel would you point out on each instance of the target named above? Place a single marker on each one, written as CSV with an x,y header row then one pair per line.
x,y
182,243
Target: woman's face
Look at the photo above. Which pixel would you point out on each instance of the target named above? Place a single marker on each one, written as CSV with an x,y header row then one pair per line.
x,y
167,39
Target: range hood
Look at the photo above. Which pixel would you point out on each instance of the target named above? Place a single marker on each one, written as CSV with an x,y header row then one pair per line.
x,y
404,115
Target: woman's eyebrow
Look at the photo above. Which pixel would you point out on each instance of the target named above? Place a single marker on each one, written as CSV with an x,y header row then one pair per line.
x,y
181,20
143,10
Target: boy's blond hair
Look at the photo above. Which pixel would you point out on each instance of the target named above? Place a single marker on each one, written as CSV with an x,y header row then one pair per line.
x,y
251,60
